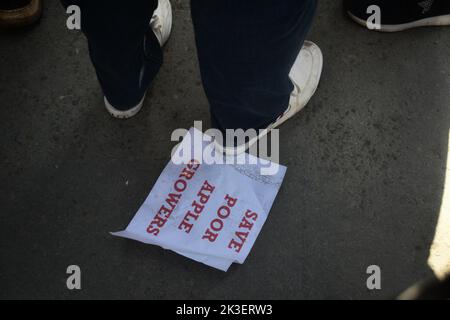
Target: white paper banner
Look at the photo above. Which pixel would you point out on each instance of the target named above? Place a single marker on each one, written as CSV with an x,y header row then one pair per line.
x,y
209,213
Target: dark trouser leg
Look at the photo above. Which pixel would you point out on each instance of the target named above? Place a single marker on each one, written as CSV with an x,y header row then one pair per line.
x,y
124,50
246,50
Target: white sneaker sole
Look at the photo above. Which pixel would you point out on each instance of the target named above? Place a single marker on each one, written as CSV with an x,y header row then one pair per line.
x,y
427,22
305,73
119,114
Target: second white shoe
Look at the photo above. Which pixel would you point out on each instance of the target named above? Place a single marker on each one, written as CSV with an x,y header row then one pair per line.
x,y
305,76
161,24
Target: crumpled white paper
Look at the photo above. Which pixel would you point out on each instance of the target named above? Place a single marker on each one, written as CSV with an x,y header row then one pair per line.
x,y
209,213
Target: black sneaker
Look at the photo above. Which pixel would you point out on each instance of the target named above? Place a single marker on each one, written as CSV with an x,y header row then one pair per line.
x,y
399,15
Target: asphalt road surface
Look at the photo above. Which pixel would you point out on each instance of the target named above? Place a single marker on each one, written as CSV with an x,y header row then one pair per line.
x,y
366,169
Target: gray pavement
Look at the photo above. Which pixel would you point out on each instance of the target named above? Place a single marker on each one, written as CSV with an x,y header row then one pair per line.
x,y
366,168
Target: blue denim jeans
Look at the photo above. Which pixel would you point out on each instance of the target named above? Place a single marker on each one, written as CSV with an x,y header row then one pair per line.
x,y
246,49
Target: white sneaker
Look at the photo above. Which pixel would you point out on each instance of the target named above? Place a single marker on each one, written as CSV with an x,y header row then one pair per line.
x,y
161,24
161,21
305,76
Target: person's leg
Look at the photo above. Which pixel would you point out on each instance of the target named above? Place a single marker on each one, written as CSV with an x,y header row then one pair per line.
x,y
399,15
123,48
246,51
